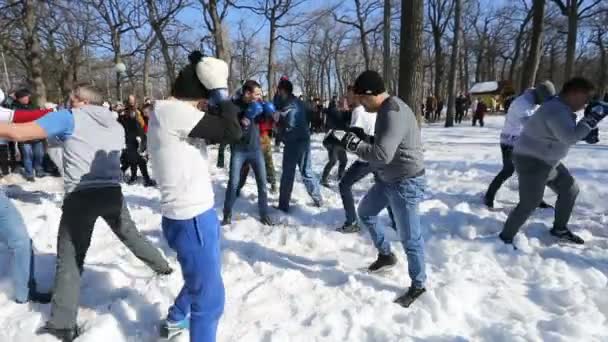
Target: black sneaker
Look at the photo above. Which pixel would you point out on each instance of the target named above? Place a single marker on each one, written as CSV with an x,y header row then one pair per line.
x,y
283,209
318,203
227,220
132,180
325,184
566,235
488,202
150,183
384,262
507,241
64,335
165,272
39,297
266,220
349,228
545,205
410,296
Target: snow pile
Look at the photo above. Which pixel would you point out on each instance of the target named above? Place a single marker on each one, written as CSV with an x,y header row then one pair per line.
x,y
301,281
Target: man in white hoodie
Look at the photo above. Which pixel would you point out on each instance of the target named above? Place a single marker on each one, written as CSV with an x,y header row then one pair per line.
x,y
520,111
176,141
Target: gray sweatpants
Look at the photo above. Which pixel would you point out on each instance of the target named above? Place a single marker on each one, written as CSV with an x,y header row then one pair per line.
x,y
533,175
80,211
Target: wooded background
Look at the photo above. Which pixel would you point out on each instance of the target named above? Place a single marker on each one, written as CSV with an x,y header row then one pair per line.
x,y
438,47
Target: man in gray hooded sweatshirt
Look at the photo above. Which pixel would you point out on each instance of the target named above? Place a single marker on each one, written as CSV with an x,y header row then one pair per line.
x,y
92,141
544,142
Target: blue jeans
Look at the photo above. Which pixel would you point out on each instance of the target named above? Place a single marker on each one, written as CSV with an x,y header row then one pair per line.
x,y
197,243
403,197
356,172
14,235
254,158
32,155
297,153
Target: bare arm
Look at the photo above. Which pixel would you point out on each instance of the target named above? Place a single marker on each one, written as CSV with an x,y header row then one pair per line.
x,y
22,132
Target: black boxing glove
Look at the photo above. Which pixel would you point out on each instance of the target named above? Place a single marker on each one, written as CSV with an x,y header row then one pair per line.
x,y
219,125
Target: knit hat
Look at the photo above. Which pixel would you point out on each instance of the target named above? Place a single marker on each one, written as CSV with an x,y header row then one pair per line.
x,y
369,83
22,93
544,91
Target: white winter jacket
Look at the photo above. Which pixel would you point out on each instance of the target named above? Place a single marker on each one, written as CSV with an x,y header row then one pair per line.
x,y
521,109
179,163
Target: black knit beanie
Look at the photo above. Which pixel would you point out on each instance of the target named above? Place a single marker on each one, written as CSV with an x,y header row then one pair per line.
x,y
369,83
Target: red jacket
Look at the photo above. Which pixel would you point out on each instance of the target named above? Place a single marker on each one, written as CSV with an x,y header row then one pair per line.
x,y
265,126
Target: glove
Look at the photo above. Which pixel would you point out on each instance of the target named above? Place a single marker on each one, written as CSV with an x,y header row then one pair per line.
x,y
254,110
219,125
212,72
360,133
269,108
331,140
593,137
599,110
351,142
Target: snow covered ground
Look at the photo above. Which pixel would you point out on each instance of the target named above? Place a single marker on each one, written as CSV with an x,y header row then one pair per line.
x,y
301,281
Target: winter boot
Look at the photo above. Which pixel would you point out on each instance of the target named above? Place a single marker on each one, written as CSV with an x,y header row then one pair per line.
x,y
132,180
149,183
349,228
266,220
170,329
410,296
227,219
384,262
318,203
565,235
63,335
545,205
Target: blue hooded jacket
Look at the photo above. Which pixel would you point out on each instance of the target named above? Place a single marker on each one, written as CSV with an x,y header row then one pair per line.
x,y
294,123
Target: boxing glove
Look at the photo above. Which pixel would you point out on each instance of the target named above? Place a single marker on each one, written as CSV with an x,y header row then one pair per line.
x,y
269,108
253,110
213,73
351,142
598,111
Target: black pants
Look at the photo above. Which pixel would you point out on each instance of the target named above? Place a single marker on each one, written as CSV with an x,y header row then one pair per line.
x,y
81,209
12,148
534,175
134,160
478,118
459,115
335,154
4,159
221,155
507,171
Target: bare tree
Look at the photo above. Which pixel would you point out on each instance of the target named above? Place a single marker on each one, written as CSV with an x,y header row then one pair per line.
x,y
214,14
575,11
600,39
410,57
439,13
161,14
386,41
532,61
363,14
276,13
449,120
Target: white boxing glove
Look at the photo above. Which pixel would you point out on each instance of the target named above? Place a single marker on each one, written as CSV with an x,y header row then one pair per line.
x,y
212,72
2,97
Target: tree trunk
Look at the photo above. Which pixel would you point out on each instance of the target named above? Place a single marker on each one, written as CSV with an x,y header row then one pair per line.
x,y
465,61
410,56
337,68
146,72
438,65
271,45
387,44
164,45
531,65
222,48
32,45
571,41
603,74
449,120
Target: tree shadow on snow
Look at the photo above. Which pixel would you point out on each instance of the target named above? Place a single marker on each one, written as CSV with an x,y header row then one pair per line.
x,y
129,307
324,270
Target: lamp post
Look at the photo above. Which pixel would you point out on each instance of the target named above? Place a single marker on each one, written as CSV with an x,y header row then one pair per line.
x,y
120,69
